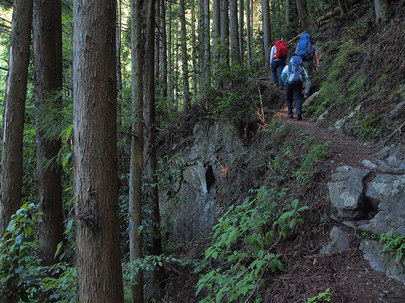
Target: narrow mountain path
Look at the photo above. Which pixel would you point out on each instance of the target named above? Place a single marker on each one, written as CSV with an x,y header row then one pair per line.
x,y
308,273
345,150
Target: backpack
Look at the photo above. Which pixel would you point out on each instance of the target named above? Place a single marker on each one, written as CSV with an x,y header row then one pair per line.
x,y
281,50
304,48
295,74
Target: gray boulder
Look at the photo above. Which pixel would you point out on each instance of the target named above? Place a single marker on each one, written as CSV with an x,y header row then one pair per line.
x,y
382,261
346,190
339,242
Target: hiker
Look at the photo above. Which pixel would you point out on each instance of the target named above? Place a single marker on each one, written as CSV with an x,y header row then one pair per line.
x,y
294,75
278,54
307,50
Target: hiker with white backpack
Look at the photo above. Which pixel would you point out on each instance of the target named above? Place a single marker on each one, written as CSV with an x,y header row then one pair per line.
x,y
278,55
294,75
307,50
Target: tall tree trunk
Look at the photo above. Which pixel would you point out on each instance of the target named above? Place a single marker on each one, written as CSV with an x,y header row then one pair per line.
x,y
241,26
287,13
135,179
98,261
14,109
186,94
157,40
266,31
194,48
216,28
150,124
47,38
207,51
225,31
170,55
381,8
235,52
177,69
249,32
201,44
118,56
13,118
303,14
163,48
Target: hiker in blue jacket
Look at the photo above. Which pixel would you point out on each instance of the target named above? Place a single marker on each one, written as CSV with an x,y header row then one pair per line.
x,y
278,55
294,75
307,50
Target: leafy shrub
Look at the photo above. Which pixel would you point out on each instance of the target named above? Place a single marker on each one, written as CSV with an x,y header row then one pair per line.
x,y
20,270
21,273
395,243
321,297
244,248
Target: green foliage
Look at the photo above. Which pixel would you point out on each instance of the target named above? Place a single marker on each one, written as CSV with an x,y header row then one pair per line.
x,y
316,153
147,264
395,243
238,100
244,247
331,91
61,285
367,126
20,271
167,175
321,297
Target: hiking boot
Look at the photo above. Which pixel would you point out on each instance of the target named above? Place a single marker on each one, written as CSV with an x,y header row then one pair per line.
x,y
299,117
291,116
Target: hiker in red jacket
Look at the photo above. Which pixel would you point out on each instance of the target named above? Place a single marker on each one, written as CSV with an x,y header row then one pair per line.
x,y
278,55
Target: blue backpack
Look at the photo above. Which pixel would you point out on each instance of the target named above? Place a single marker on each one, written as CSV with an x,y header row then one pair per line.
x,y
304,49
295,73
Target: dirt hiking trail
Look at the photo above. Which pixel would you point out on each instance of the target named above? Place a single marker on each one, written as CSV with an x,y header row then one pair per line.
x,y
308,273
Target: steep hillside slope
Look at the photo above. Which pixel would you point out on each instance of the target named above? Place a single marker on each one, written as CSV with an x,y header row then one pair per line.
x,y
361,80
267,243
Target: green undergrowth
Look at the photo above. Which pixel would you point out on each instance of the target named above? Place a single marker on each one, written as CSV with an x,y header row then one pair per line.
x,y
247,242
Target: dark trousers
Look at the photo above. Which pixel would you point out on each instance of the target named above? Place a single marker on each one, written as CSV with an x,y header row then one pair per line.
x,y
277,65
294,93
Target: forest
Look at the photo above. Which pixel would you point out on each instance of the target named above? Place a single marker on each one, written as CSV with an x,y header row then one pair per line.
x,y
147,156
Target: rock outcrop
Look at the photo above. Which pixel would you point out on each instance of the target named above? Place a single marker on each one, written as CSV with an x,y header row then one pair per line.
x,y
188,205
373,199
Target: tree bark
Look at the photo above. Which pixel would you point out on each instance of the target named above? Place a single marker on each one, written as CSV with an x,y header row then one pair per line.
x,y
235,52
266,31
47,38
186,94
303,14
98,262
169,56
150,135
136,163
194,49
118,57
225,32
287,13
216,28
241,26
157,40
163,55
207,51
14,109
249,32
13,118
